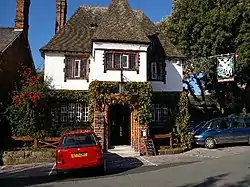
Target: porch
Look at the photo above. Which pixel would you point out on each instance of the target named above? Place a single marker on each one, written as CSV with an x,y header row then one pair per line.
x,y
119,129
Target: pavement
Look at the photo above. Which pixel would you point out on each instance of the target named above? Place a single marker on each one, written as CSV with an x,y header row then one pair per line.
x,y
229,166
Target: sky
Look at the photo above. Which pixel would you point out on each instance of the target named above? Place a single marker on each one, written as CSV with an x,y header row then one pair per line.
x,y
43,15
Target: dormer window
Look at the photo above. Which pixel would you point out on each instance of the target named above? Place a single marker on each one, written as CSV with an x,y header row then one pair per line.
x,y
115,60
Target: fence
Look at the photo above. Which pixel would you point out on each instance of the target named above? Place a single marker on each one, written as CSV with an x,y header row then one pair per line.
x,y
47,142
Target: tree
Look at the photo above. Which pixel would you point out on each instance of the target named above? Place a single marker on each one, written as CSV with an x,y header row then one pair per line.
x,y
202,28
25,115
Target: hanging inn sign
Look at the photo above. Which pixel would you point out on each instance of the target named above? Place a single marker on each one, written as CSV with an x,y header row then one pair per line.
x,y
225,68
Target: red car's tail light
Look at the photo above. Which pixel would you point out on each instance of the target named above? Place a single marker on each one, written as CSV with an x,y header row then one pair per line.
x,y
99,152
59,157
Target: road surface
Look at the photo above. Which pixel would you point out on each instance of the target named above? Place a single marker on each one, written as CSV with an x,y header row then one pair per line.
x,y
232,170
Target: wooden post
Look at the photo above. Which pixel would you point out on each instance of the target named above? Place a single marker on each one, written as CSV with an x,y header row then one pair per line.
x,y
171,140
35,143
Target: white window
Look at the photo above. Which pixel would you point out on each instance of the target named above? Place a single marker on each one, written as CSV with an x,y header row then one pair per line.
x,y
71,112
64,113
85,112
78,112
154,70
125,61
74,112
77,68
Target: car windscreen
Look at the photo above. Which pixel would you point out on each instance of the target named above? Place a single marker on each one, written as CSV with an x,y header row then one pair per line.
x,y
212,124
205,125
78,140
200,125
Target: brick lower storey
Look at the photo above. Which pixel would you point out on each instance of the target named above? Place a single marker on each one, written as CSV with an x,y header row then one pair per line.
x,y
102,129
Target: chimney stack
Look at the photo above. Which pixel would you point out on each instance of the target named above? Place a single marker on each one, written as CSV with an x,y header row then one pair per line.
x,y
61,14
22,16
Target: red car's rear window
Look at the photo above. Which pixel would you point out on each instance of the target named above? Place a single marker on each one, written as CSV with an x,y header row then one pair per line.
x,y
78,140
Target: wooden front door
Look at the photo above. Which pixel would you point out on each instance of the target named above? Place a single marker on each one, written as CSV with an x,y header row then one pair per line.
x,y
119,120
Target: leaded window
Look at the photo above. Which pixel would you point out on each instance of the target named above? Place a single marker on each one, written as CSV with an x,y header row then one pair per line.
x,y
74,112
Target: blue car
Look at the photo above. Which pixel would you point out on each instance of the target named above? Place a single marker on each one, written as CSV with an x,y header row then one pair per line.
x,y
223,131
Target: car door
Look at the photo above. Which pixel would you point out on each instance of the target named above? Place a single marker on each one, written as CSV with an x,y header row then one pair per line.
x,y
223,132
238,130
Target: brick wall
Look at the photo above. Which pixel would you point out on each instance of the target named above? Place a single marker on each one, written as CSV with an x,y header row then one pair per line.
x,y
101,126
18,53
22,16
61,14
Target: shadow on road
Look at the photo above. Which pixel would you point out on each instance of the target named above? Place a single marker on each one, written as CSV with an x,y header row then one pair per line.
x,y
34,176
232,145
211,181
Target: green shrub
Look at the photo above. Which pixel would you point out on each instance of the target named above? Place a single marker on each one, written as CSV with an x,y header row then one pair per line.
x,y
182,137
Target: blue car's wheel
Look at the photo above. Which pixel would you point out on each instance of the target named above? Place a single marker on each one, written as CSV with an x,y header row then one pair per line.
x,y
209,143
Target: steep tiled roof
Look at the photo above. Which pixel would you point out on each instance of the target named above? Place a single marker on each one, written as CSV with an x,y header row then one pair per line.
x,y
78,33
120,24
7,36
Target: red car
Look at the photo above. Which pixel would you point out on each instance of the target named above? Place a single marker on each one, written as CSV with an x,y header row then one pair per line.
x,y
79,149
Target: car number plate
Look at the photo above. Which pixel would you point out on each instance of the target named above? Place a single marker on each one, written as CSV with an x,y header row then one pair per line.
x,y
78,155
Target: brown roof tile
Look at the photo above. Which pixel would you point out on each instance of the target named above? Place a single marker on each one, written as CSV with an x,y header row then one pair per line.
x,y
120,24
77,33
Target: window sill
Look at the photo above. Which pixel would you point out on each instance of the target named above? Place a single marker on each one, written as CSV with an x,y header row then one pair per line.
x,y
75,122
125,69
156,80
77,78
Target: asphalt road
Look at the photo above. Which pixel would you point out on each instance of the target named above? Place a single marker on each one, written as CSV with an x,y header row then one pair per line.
x,y
232,170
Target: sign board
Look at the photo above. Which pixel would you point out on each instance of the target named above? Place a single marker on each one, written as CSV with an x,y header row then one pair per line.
x,y
225,68
150,147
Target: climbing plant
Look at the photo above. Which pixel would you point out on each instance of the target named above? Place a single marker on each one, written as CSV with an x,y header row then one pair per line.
x,y
183,139
136,94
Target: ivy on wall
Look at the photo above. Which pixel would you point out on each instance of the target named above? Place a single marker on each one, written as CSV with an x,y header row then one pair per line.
x,y
68,96
136,94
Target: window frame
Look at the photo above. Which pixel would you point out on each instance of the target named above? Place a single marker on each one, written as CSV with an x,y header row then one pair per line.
x,y
79,68
154,75
160,113
74,112
70,64
160,74
129,55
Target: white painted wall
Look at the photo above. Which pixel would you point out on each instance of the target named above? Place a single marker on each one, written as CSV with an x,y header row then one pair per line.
x,y
54,65
97,68
53,71
173,79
